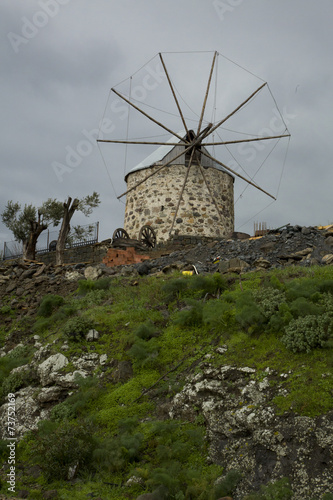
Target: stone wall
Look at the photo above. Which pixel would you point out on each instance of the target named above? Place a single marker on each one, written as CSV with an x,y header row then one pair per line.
x,y
92,254
154,202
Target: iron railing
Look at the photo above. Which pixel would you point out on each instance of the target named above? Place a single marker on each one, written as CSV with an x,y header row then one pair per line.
x,y
47,241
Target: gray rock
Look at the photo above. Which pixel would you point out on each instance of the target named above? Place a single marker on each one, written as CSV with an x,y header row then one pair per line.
x,y
92,335
92,273
27,412
50,367
246,434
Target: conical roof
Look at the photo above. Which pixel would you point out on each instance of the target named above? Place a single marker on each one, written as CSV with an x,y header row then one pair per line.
x,y
162,155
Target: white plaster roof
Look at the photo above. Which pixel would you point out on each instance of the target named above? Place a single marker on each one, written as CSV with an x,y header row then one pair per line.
x,y
161,152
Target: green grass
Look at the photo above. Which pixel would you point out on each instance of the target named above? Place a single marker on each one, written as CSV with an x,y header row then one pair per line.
x,y
165,326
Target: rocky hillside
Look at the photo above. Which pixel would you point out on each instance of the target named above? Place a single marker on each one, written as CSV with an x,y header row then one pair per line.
x,y
141,382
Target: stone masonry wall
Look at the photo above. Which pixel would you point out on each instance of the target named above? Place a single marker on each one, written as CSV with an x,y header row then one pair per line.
x,y
92,254
154,202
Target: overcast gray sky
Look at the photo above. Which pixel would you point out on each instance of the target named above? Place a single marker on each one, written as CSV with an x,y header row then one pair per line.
x,y
60,58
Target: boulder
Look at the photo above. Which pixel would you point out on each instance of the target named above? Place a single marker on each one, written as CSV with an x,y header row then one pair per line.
x,y
327,259
48,394
50,367
92,273
27,412
92,335
262,263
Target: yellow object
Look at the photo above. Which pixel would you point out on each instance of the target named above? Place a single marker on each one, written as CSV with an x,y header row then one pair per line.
x,y
187,273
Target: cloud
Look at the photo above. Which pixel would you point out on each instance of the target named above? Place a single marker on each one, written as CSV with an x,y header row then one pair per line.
x,y
55,88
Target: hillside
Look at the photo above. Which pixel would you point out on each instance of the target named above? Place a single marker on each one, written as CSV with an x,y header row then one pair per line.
x,y
147,383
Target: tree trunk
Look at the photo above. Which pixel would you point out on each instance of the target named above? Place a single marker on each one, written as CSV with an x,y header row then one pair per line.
x,y
29,246
65,228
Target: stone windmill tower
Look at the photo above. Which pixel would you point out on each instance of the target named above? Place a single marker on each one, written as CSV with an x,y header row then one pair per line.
x,y
203,206
181,188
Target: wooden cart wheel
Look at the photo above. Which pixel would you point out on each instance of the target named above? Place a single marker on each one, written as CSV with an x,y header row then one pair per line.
x,y
147,236
120,233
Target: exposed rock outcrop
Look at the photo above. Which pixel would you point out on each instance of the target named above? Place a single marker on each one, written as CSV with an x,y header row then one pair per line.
x,y
246,434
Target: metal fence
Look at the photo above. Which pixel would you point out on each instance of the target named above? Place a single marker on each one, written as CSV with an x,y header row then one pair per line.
x,y
48,239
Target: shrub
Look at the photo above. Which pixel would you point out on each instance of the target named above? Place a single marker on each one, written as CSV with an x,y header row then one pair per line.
x,y
280,490
326,286
306,287
268,300
219,314
174,289
281,318
86,286
77,327
143,352
210,284
228,484
12,383
196,286
191,316
248,314
57,448
75,404
146,331
303,307
49,304
103,283
306,333
6,310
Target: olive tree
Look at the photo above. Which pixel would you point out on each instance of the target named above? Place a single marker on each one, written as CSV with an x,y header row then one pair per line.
x,y
29,222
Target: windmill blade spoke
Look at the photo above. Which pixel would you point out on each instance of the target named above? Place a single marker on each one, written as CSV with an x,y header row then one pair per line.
x,y
140,142
237,109
158,170
208,187
173,93
245,140
182,190
235,173
207,92
146,114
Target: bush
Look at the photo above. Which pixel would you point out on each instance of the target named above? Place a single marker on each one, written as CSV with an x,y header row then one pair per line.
x,y
228,484
191,316
12,383
196,286
174,289
304,307
86,286
308,332
280,490
210,284
269,299
219,314
6,310
146,331
49,304
143,352
57,448
75,404
77,327
248,314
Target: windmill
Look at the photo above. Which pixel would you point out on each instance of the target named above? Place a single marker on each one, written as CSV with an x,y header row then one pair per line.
x,y
189,149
